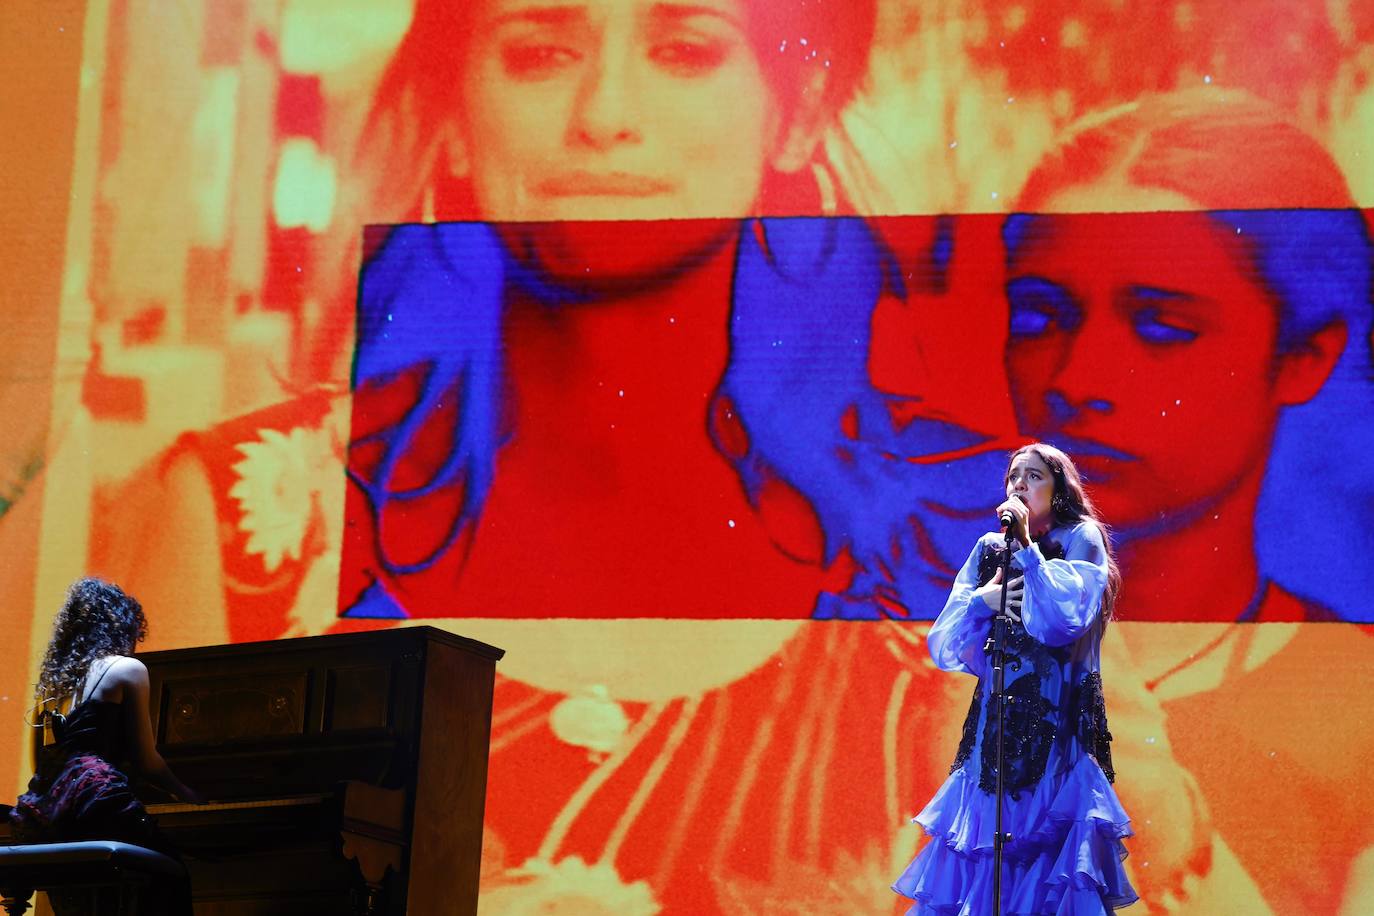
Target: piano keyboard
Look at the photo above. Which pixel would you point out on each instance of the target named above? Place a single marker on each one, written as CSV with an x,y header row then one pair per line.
x,y
284,801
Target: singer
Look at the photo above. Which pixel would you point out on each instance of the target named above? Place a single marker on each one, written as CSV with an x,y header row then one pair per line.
x,y
1064,849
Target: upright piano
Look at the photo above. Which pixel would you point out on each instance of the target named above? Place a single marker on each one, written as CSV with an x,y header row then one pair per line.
x,y
346,773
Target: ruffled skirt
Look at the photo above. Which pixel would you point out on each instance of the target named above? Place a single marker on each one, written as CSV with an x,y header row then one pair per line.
x,y
1064,857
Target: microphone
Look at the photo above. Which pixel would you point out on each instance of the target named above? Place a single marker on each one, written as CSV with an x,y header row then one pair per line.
x,y
1006,518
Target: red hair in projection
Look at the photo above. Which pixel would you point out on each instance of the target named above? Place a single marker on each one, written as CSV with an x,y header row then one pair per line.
x,y
1220,148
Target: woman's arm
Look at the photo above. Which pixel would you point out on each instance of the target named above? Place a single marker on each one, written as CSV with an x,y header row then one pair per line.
x,y
132,676
957,637
1063,598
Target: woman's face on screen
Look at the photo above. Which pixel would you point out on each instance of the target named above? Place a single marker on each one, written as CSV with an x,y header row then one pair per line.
x,y
614,109
1144,345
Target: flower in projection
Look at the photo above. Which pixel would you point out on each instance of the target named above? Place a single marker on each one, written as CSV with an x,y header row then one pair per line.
x,y
568,887
590,719
277,491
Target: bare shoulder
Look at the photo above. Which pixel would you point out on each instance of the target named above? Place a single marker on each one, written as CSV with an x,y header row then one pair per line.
x,y
125,669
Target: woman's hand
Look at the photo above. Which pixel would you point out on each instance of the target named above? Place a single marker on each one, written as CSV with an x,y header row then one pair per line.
x,y
991,594
189,795
1020,514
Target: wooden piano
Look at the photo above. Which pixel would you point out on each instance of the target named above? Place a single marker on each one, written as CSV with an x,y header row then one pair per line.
x,y
347,772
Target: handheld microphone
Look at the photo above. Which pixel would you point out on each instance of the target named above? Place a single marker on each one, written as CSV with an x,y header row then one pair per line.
x,y
1006,518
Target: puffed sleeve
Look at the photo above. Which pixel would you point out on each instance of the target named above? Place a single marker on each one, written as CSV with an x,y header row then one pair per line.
x,y
1063,598
957,637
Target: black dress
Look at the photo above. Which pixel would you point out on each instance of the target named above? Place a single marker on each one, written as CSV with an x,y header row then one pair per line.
x,y
80,791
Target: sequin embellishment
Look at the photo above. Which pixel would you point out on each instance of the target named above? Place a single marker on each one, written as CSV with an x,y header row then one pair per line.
x,y
1091,716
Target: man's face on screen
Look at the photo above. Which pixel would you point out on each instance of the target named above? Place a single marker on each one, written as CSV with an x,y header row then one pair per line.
x,y
614,109
1144,345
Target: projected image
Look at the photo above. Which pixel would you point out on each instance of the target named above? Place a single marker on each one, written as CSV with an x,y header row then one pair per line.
x,y
541,431
727,436
390,120
622,110
1206,352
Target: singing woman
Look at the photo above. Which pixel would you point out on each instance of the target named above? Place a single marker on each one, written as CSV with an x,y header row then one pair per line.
x,y
1065,823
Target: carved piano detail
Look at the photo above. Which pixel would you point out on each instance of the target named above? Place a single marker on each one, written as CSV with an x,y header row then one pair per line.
x,y
348,771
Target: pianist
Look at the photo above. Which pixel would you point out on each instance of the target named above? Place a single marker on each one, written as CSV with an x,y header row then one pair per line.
x,y
92,729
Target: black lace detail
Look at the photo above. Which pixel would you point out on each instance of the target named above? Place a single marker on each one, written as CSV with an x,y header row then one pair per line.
x,y
991,557
1019,647
970,729
1029,727
989,561
1090,715
1028,730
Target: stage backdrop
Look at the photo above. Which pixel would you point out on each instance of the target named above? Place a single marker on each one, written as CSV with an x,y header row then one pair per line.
x,y
678,349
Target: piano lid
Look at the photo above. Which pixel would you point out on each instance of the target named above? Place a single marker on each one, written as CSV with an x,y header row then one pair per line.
x,y
332,640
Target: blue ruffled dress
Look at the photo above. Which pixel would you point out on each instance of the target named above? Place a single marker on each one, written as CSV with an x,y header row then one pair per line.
x,y
1066,824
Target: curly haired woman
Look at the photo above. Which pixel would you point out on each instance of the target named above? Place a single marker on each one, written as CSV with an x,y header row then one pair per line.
x,y
92,702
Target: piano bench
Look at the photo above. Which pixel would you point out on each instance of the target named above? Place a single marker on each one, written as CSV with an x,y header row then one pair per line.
x,y
93,864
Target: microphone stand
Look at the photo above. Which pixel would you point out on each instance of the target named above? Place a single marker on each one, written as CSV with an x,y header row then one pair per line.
x,y
996,650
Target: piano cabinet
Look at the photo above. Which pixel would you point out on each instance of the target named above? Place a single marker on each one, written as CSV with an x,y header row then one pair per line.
x,y
347,772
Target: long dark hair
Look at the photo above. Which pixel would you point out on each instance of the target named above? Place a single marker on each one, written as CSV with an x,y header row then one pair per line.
x,y
1070,504
97,620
